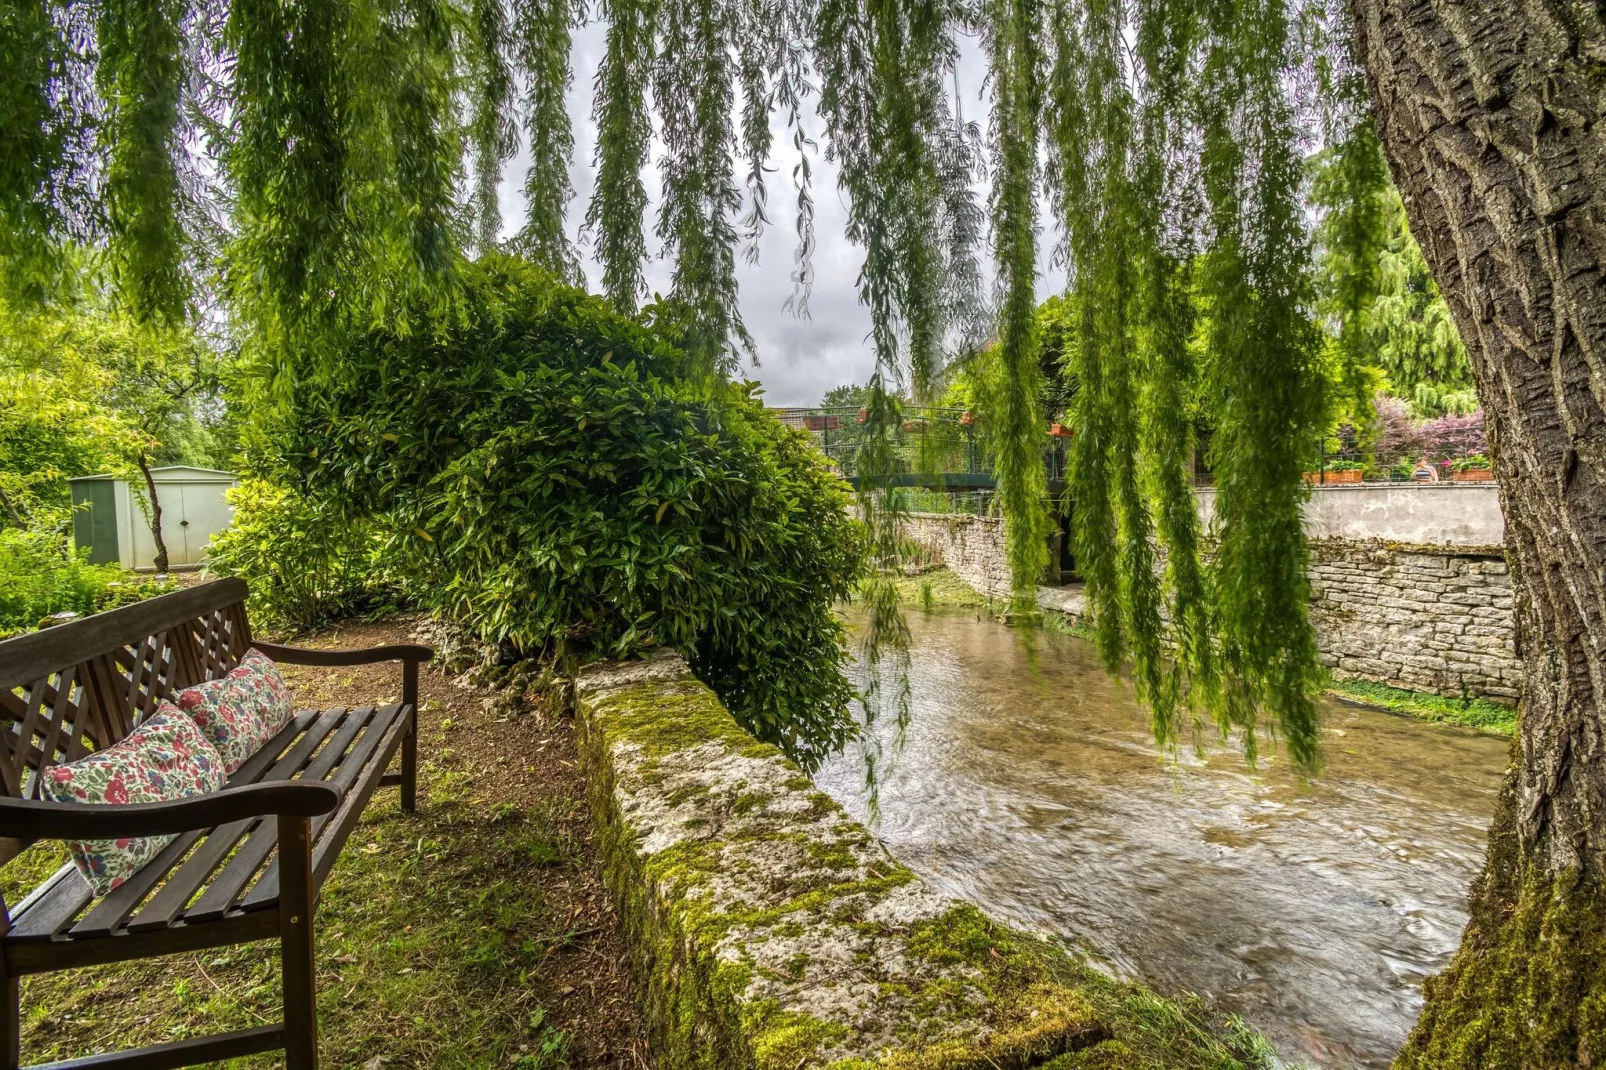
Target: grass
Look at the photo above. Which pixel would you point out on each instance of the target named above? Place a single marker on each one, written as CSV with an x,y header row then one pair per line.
x,y
474,933
1484,715
938,588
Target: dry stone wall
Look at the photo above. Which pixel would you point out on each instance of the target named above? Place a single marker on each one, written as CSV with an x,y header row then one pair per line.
x,y
1419,617
1422,617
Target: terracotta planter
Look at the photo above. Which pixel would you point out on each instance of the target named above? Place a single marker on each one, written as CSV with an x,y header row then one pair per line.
x,y
822,423
864,414
966,420
1351,476
1473,475
1059,431
914,427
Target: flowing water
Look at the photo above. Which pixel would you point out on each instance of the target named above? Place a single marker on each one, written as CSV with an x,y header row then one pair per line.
x,y
1029,784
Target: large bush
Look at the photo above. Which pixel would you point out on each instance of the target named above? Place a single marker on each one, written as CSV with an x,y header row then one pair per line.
x,y
544,472
308,561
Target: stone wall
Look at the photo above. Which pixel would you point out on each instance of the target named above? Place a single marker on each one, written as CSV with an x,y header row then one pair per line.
x,y
768,930
1422,617
1418,617
972,547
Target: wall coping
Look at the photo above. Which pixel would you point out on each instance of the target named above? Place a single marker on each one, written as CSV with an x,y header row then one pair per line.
x,y
770,930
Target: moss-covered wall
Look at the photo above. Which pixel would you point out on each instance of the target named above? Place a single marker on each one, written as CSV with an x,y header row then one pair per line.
x,y
770,930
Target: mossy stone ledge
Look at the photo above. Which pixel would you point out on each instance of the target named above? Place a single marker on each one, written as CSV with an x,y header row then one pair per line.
x,y
770,930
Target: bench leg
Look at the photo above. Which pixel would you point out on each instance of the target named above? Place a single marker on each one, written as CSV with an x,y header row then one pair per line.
x,y
295,944
10,1006
409,755
10,1022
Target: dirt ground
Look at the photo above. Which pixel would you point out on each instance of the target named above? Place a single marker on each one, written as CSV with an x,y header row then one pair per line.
x,y
474,933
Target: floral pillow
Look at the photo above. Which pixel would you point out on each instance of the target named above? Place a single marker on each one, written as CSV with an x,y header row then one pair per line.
x,y
263,691
241,711
166,757
223,717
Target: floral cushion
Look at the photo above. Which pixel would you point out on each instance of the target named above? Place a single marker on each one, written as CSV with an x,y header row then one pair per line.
x,y
264,691
241,711
166,757
228,724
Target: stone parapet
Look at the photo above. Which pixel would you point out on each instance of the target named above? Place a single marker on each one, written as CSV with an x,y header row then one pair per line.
x,y
771,931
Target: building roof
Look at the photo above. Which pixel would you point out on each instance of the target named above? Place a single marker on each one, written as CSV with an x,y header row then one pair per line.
x,y
173,473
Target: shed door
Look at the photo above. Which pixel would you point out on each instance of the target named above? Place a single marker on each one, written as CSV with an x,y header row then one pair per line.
x,y
203,512
95,520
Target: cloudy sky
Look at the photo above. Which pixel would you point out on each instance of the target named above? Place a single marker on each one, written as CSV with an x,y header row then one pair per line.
x,y
799,359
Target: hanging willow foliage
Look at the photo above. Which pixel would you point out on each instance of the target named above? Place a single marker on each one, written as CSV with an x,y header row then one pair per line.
x,y
1163,134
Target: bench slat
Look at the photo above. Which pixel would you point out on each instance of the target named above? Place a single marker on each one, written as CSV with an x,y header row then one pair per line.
x,y
106,916
381,739
219,898
168,903
338,825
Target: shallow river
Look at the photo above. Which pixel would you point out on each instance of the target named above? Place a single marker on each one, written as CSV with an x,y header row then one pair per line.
x,y
1030,784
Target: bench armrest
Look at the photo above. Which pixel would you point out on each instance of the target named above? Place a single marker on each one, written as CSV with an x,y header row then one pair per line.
x,y
300,655
29,820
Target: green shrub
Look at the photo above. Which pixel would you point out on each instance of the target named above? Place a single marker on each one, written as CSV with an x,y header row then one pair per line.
x,y
545,473
41,575
308,563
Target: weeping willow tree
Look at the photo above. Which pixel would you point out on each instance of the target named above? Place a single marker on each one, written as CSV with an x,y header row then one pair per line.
x,y
321,167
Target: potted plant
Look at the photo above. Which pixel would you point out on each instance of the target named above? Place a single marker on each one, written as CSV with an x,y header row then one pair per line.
x,y
1338,472
1473,468
821,422
967,419
1059,431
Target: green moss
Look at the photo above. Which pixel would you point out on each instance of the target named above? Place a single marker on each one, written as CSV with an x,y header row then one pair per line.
x,y
663,717
786,1040
939,588
747,802
1528,986
1484,715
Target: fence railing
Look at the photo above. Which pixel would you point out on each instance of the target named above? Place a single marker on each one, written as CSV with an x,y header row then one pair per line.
x,y
942,450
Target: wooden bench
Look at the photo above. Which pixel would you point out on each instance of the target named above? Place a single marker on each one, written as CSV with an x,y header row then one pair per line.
x,y
249,860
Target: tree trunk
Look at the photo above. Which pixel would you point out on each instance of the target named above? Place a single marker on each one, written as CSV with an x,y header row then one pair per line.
x,y
156,513
1488,114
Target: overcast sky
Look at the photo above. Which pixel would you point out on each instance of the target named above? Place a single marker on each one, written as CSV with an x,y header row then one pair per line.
x,y
799,359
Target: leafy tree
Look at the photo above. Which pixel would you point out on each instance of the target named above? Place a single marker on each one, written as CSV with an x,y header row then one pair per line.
x,y
86,389
847,396
1377,288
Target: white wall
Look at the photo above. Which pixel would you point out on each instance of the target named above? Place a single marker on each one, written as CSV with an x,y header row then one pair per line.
x,y
1424,514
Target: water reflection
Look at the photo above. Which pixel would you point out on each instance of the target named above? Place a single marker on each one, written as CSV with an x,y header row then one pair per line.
x,y
1030,784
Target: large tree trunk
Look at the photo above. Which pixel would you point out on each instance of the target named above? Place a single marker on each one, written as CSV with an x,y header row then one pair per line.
x,y
1489,114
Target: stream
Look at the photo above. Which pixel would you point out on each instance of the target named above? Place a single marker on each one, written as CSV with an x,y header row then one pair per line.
x,y
1029,783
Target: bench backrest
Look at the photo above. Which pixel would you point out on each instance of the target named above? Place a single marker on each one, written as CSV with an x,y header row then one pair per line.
x,y
81,686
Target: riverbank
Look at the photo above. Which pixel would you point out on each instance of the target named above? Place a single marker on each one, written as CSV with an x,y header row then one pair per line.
x,y
473,933
1495,718
942,588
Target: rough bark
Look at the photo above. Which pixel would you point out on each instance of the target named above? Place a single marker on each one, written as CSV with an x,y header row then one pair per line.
x,y
156,514
1490,115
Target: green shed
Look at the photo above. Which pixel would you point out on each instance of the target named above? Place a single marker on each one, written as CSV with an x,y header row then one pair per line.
x,y
111,521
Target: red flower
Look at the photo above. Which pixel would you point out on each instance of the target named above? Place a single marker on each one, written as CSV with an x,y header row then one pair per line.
x,y
116,793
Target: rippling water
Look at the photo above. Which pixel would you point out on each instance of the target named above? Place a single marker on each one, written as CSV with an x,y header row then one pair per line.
x,y
1029,783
